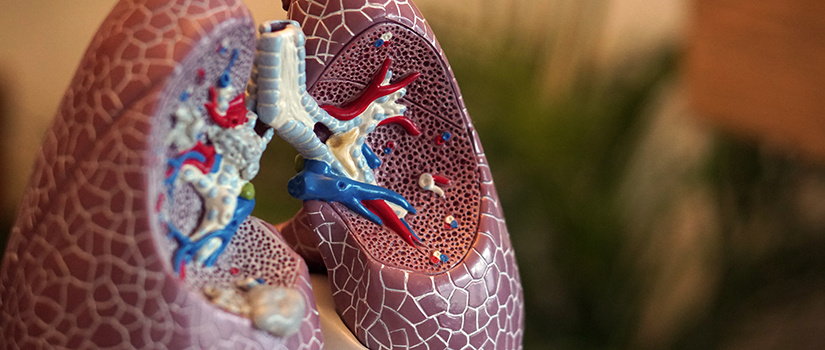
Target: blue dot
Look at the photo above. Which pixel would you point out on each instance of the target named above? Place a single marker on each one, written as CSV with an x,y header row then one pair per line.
x,y
454,224
260,280
387,150
224,80
379,43
446,136
444,258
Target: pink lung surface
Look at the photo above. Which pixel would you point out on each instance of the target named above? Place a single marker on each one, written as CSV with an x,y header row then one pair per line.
x,y
89,262
388,292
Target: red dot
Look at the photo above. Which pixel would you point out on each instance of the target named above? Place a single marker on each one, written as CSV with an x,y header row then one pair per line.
x,y
391,144
201,76
234,271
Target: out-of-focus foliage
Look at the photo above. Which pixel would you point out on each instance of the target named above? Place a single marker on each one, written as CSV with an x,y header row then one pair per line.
x,y
558,164
635,227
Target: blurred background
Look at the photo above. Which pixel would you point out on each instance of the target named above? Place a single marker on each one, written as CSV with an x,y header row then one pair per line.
x,y
660,163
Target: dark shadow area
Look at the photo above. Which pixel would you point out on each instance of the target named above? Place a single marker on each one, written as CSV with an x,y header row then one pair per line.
x,y
6,214
274,204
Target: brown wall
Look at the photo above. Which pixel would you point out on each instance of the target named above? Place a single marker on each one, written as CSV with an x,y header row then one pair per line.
x,y
757,68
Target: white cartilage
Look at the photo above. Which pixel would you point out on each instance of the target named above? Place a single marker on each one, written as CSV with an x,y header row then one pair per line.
x,y
279,96
281,99
427,182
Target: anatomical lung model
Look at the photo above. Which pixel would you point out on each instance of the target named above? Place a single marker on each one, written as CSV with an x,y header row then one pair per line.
x,y
136,229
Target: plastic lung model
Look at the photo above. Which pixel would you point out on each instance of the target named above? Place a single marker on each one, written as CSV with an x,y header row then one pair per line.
x,y
400,206
135,230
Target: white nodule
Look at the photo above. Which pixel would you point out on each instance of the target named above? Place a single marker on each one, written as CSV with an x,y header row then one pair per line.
x,y
277,310
427,182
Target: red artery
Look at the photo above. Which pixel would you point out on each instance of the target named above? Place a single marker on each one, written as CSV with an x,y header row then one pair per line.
x,y
205,166
235,115
373,91
405,122
441,181
208,153
380,208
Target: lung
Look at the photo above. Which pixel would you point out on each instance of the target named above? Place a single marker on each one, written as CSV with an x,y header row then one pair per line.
x,y
90,262
389,292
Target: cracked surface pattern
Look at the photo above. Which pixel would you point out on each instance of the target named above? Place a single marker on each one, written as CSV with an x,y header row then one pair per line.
x,y
83,267
295,235
475,300
331,24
